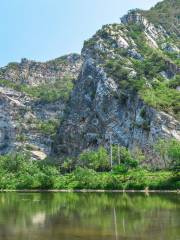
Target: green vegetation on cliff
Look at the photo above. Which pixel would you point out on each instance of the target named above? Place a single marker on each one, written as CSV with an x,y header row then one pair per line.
x,y
55,90
163,98
148,82
165,13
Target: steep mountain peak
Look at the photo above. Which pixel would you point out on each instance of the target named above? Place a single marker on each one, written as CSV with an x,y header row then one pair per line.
x,y
153,34
134,17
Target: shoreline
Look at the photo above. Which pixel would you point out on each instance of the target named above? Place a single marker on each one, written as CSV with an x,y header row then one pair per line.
x,y
88,191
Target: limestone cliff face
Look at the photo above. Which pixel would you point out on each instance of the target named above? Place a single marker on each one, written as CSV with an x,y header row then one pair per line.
x,y
97,111
29,121
101,107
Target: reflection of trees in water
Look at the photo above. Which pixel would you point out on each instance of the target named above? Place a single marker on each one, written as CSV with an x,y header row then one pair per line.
x,y
134,212
118,214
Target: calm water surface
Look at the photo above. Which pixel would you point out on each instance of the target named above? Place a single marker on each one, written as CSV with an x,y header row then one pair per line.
x,y
89,216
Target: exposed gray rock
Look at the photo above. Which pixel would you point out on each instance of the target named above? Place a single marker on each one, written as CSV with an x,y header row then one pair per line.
x,y
100,108
90,121
178,88
36,73
21,116
133,53
170,48
152,33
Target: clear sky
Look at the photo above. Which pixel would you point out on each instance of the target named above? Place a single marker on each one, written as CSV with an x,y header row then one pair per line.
x,y
46,29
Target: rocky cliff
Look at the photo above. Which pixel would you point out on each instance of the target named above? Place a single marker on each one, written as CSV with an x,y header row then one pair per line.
x,y
123,89
122,94
33,98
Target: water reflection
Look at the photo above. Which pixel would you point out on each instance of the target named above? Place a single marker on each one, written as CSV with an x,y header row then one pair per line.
x,y
89,216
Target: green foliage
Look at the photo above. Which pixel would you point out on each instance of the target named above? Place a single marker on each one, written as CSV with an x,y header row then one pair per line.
x,y
48,127
136,32
68,165
21,138
173,56
175,82
17,171
97,160
121,74
33,177
148,82
120,169
165,13
122,155
146,70
120,178
7,83
90,43
12,163
163,98
170,150
174,150
61,89
152,65
115,69
138,155
13,65
85,178
51,92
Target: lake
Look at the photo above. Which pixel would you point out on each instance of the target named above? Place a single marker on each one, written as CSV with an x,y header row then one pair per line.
x,y
89,216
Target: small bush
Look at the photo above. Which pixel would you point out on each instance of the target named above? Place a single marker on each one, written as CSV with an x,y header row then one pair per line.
x,y
48,127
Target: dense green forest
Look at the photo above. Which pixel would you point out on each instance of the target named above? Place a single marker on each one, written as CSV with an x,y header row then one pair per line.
x,y
93,170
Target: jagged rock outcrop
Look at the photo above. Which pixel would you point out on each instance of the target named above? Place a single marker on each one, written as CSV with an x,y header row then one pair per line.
x,y
151,32
166,14
36,73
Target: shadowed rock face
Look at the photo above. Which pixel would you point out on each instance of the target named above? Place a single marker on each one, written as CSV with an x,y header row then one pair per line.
x,y
4,137
6,129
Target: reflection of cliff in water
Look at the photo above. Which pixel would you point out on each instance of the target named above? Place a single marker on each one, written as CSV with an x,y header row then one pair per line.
x,y
88,216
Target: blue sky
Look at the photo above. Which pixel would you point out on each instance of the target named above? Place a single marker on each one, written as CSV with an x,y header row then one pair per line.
x,y
46,29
